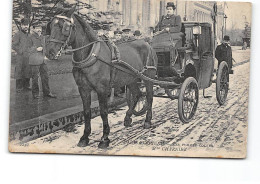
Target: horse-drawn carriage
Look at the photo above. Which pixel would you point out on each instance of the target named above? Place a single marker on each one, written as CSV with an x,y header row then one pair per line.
x,y
187,59
185,65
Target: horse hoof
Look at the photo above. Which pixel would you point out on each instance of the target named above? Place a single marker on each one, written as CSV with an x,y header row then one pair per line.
x,y
147,125
104,144
127,123
83,142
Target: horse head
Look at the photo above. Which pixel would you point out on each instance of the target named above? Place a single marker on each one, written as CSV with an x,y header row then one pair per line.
x,y
61,33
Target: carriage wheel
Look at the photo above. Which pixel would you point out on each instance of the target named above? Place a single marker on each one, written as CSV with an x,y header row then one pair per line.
x,y
172,93
222,83
141,106
188,99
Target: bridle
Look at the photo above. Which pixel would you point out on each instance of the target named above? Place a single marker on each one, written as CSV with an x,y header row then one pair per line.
x,y
67,41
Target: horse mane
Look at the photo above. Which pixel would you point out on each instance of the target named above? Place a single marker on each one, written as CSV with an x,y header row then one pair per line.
x,y
87,28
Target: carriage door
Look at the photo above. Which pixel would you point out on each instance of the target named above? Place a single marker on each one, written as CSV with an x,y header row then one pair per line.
x,y
206,57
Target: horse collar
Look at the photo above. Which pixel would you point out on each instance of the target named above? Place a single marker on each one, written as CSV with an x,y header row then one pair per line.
x,y
90,60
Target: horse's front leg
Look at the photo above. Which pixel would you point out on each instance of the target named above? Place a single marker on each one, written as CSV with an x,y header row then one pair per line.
x,y
103,105
86,99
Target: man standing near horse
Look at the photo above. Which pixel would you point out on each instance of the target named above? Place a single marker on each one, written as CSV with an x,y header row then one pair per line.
x,y
21,44
224,53
38,65
170,22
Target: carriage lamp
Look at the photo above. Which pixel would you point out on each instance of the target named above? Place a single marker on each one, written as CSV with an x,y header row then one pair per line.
x,y
196,30
225,23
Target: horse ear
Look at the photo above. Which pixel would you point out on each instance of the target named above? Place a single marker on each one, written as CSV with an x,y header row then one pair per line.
x,y
71,11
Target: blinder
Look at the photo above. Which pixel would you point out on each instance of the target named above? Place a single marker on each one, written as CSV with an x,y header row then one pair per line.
x,y
68,23
66,28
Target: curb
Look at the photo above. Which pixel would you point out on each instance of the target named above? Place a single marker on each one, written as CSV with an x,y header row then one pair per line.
x,y
37,127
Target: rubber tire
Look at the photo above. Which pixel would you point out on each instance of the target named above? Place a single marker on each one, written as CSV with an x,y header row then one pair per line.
x,y
187,81
128,100
221,67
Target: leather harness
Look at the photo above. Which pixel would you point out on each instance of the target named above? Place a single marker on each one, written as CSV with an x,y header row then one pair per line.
x,y
94,57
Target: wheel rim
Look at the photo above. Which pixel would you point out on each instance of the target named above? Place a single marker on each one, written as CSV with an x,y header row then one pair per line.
x,y
224,85
190,100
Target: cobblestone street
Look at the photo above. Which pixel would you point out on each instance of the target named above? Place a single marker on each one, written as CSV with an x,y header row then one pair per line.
x,y
214,128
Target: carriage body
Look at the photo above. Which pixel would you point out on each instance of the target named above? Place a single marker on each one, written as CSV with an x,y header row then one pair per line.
x,y
186,54
187,58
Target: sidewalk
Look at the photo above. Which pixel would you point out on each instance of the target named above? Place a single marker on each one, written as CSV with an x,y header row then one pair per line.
x,y
28,115
24,107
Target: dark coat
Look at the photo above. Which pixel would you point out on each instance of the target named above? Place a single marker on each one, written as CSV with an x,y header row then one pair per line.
x,y
21,43
171,21
36,57
224,53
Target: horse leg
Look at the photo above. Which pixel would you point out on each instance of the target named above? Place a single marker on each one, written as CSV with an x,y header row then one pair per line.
x,y
136,94
149,99
86,99
102,98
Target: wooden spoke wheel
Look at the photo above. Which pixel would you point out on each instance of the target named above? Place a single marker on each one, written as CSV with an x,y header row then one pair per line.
x,y
141,106
172,93
188,99
222,83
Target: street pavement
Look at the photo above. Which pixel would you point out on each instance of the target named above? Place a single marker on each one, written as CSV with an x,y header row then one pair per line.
x,y
216,131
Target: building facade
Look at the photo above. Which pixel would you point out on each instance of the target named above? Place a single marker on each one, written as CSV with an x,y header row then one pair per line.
x,y
142,14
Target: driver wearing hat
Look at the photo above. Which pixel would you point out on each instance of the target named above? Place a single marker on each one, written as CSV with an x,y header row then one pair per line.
x,y
170,22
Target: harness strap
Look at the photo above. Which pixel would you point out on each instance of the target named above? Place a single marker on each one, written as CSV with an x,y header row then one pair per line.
x,y
73,50
57,41
135,73
66,18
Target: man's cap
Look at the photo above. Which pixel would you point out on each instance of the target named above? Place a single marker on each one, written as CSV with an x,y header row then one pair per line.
x,y
25,21
170,4
137,33
127,30
226,37
118,32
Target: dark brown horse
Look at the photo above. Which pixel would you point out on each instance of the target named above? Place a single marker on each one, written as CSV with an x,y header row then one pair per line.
x,y
92,60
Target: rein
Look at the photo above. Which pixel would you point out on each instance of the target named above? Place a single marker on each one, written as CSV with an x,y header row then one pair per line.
x,y
76,49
